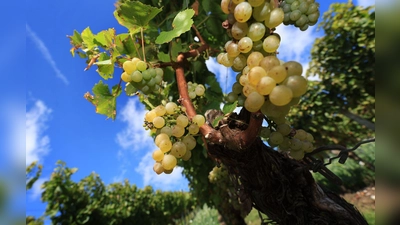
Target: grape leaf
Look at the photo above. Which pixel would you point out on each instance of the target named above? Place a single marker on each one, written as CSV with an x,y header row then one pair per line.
x,y
181,24
105,66
130,90
105,38
135,15
104,101
88,38
229,107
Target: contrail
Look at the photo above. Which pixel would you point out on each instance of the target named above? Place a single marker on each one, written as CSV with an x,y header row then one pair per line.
x,y
45,51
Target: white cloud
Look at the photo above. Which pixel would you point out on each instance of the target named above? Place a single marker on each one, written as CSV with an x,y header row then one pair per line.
x,y
37,188
166,182
37,144
134,136
46,53
225,76
365,3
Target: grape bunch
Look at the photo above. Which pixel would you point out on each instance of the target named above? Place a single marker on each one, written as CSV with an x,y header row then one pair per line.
x,y
174,135
300,13
146,79
195,90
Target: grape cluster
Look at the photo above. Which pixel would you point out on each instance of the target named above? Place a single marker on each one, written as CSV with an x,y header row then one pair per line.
x,y
195,90
264,83
300,13
142,77
174,135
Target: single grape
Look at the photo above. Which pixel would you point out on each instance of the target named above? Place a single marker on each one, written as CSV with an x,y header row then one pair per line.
x,y
271,43
199,120
261,12
298,84
274,18
307,146
255,3
309,137
182,120
303,20
295,15
126,77
255,75
265,85
293,68
166,130
295,5
158,168
265,132
248,89
313,17
278,73
158,155
284,129
256,31
232,50
254,102
269,62
254,59
231,97
239,30
295,144
281,95
225,6
275,138
297,155
178,131
312,8
243,12
303,7
274,111
237,88
245,45
169,162
146,75
178,149
141,66
170,107
189,141
158,122
165,145
129,66
301,134
187,156
149,116
193,129
137,76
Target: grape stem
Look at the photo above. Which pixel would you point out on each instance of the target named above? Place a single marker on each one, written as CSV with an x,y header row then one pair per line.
x,y
144,54
245,137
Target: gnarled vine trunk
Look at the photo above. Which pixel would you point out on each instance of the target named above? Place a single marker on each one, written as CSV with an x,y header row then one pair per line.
x,y
276,185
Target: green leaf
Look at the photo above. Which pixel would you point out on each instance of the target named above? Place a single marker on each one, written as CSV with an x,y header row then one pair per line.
x,y
88,38
216,120
76,38
181,24
130,90
229,107
135,15
105,66
103,100
105,38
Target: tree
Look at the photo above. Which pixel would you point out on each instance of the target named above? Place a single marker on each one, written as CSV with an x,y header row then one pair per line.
x,y
163,60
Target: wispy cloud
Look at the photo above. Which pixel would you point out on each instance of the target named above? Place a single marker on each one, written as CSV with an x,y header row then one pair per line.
x,y
133,136
46,53
37,190
225,76
166,182
37,143
366,3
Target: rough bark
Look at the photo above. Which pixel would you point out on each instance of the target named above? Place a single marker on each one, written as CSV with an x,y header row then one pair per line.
x,y
280,187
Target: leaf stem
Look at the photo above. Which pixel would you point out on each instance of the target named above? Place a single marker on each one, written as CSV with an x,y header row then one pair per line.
x,y
144,54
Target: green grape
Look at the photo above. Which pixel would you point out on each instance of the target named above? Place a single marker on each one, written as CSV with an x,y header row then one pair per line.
x,y
182,120
166,130
274,18
226,60
137,76
170,107
239,62
141,66
245,44
295,144
159,72
265,132
157,79
129,66
237,88
271,43
126,77
301,134
278,73
187,156
254,59
257,46
286,17
302,21
275,138
225,6
158,155
146,75
165,145
231,97
298,84
255,3
255,75
199,90
158,168
199,120
149,116
261,12
254,102
284,129
243,80
178,149
313,17
303,7
231,18
289,1
279,120
307,146
158,122
297,155
269,62
265,85
293,68
193,129
232,50
160,137
239,30
243,12
178,131
189,141
304,28
286,8
151,82
295,15
152,72
241,99
192,95
312,8
295,5
248,89
169,162
256,31
285,143
309,137
146,89
281,95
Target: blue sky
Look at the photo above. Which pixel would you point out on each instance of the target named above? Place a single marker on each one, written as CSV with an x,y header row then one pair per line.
x,y
62,125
